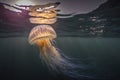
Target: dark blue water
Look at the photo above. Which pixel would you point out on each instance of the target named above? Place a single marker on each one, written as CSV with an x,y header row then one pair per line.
x,y
20,61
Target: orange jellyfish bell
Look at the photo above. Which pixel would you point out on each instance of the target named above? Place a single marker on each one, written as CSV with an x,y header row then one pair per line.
x,y
41,32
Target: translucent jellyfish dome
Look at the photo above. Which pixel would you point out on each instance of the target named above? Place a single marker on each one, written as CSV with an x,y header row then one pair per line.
x,y
41,32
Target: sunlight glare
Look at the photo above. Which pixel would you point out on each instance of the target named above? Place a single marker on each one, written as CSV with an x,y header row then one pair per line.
x,y
25,2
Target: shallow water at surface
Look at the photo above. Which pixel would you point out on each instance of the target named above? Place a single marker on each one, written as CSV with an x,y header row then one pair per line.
x,y
20,61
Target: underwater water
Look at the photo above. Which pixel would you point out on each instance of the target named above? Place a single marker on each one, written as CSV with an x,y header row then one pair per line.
x,y
99,57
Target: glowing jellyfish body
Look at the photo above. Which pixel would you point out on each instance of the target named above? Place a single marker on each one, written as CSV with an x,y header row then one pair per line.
x,y
42,36
41,32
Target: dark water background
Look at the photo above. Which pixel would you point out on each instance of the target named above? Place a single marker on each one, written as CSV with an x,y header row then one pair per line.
x,y
20,61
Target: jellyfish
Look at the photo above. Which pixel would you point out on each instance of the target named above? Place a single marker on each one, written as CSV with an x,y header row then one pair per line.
x,y
43,36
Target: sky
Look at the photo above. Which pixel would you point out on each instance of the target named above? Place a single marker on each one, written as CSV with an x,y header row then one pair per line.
x,y
67,6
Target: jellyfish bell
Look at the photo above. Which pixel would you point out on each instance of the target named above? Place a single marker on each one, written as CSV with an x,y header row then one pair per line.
x,y
41,33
